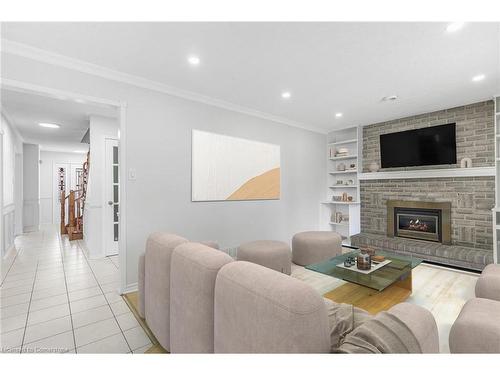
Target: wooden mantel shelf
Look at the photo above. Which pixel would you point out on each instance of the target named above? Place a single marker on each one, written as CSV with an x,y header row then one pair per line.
x,y
429,173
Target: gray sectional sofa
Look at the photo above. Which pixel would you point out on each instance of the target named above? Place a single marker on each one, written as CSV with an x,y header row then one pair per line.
x,y
196,299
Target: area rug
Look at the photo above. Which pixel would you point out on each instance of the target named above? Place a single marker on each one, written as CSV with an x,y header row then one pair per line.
x,y
132,301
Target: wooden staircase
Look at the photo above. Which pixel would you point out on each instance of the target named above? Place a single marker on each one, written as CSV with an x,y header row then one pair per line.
x,y
74,203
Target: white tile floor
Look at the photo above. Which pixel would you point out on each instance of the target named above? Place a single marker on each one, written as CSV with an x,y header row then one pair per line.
x,y
54,299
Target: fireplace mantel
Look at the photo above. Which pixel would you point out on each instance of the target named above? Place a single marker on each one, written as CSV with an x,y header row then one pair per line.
x,y
428,173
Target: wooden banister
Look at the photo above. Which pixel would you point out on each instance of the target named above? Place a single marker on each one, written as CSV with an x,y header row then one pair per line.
x,y
72,219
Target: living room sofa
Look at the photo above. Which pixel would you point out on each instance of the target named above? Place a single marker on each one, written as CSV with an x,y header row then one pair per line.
x,y
259,310
199,300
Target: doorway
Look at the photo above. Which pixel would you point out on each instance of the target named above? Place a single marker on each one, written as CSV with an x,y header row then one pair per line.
x,y
116,210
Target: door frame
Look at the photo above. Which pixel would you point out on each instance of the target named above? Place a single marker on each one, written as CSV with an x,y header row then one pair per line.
x,y
121,107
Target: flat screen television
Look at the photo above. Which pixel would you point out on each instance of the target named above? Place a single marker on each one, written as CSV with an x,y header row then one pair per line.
x,y
426,146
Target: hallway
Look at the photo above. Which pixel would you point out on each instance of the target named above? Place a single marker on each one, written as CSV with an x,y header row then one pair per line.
x,y
56,300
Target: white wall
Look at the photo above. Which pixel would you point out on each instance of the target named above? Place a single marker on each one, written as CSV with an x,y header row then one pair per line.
x,y
93,227
31,187
158,147
47,181
11,206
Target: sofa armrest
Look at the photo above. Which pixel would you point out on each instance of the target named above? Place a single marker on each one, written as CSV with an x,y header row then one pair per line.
x,y
421,323
141,289
488,286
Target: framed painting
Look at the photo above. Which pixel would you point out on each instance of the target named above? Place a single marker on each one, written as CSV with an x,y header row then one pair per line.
x,y
226,168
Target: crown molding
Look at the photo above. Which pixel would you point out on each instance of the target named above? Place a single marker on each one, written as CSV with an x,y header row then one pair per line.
x,y
41,55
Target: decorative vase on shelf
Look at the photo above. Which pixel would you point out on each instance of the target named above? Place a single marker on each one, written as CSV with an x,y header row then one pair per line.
x,y
466,163
374,167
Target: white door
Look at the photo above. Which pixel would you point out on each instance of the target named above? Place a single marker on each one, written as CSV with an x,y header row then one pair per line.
x,y
112,196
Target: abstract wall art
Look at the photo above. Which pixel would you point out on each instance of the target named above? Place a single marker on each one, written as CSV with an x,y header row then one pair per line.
x,y
226,168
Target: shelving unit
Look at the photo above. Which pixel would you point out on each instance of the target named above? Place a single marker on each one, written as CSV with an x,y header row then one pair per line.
x,y
496,210
347,139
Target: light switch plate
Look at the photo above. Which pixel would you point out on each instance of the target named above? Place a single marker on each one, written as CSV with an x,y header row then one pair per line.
x,y
132,175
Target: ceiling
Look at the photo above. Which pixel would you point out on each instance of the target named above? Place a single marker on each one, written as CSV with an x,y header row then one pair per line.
x,y
27,110
327,67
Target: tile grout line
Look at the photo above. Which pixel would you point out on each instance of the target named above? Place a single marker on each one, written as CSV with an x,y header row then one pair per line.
x,y
29,305
10,267
109,305
66,286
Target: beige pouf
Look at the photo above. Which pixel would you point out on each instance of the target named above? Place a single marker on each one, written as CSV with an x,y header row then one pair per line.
x,y
476,329
271,254
315,247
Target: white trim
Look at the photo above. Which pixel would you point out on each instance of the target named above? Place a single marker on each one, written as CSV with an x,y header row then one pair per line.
x,y
134,287
11,84
429,173
9,208
12,248
12,124
47,57
122,228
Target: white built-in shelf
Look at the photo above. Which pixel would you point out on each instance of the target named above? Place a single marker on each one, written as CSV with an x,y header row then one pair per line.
x,y
346,171
429,173
338,140
343,224
343,142
340,202
344,157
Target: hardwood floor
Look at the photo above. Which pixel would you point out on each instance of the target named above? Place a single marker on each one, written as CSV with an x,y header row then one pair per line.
x,y
441,290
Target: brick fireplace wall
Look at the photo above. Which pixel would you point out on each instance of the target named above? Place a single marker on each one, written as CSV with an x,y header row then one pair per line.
x,y
471,202
475,133
471,197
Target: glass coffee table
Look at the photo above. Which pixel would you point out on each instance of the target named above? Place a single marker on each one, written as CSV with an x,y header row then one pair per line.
x,y
376,291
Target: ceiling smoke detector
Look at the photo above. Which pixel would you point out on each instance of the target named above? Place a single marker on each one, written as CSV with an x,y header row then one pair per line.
x,y
389,98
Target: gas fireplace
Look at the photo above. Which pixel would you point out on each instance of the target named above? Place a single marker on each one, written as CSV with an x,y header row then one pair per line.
x,y
429,221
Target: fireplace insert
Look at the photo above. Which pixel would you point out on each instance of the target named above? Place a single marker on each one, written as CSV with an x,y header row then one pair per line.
x,y
429,221
420,224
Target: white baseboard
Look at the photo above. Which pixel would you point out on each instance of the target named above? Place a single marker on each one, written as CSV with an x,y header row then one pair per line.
x,y
130,288
11,249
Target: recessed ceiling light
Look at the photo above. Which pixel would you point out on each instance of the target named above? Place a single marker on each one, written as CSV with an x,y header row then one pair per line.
x,y
80,151
338,115
478,78
49,125
194,60
286,95
389,98
454,26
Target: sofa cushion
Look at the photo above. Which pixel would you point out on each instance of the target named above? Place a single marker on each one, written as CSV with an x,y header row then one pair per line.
x,y
192,285
259,310
159,248
477,328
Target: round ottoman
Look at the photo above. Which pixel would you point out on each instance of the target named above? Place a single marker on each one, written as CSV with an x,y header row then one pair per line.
x,y
315,247
271,254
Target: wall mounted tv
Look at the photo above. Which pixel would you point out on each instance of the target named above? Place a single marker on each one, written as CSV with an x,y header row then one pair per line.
x,y
426,146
